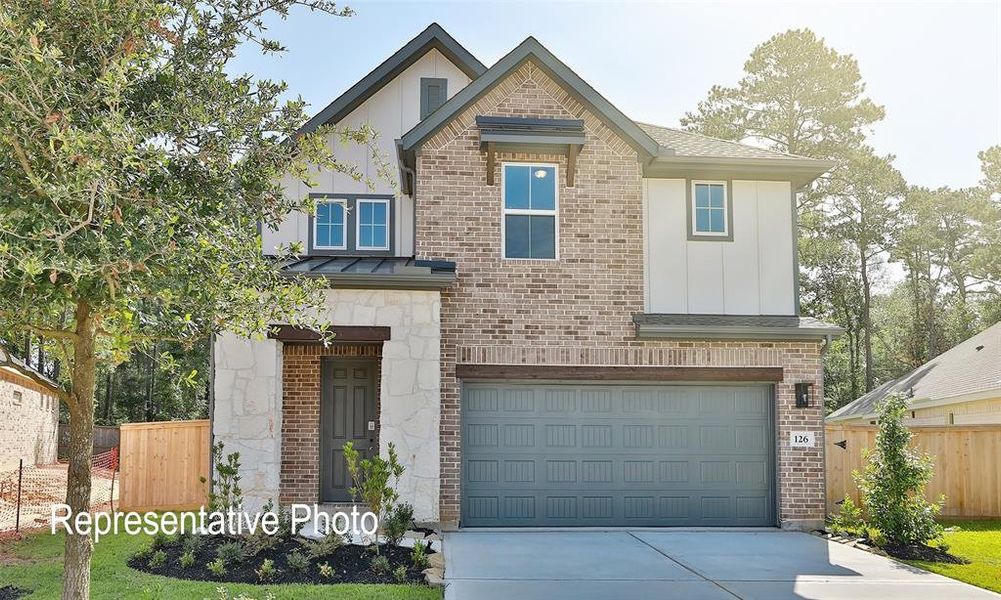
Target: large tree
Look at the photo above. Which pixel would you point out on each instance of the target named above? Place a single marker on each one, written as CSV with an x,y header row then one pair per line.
x,y
135,170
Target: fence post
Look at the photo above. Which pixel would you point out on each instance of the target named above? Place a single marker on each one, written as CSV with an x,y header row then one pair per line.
x,y
17,515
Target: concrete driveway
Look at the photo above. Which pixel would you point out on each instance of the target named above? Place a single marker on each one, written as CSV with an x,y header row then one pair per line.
x,y
694,565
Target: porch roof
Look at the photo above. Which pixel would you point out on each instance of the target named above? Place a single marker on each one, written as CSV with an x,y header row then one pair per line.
x,y
375,271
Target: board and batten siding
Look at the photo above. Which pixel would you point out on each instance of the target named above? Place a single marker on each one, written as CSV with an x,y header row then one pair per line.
x,y
752,275
391,112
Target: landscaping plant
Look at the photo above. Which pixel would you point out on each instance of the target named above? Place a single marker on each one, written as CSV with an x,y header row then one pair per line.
x,y
326,571
380,564
297,561
400,574
225,491
325,546
849,520
187,559
892,484
158,559
419,556
267,570
217,567
398,520
374,481
231,553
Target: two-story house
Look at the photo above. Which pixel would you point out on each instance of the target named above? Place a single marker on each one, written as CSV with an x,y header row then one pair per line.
x,y
558,315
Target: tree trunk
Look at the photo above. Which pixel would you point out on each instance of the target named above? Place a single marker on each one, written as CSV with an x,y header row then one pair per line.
x,y
78,549
866,318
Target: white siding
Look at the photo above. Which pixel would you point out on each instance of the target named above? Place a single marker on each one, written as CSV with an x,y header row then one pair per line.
x,y
392,111
751,275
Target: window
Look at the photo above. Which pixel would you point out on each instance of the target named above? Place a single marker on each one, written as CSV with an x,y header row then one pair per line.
x,y
530,206
17,398
373,224
434,92
330,225
710,209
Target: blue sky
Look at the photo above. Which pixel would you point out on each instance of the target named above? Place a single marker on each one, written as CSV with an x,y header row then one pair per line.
x,y
936,66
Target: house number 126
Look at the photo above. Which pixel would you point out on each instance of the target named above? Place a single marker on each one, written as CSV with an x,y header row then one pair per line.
x,y
801,439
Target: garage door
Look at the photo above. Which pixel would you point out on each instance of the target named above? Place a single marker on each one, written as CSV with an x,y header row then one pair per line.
x,y
623,455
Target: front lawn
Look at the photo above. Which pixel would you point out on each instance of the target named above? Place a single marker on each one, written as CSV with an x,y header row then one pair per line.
x,y
978,542
35,563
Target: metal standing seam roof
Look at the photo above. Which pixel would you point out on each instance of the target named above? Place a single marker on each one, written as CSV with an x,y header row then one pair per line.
x,y
375,271
970,367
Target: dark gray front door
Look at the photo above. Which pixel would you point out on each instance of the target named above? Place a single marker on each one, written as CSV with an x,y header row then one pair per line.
x,y
347,414
617,455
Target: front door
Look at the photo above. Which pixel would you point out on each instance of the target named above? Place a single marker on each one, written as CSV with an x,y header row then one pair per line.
x,y
347,414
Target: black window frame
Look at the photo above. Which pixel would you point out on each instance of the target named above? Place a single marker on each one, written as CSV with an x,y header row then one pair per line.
x,y
351,219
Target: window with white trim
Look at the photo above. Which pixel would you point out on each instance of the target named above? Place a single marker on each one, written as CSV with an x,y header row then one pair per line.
x,y
372,224
330,231
530,211
709,208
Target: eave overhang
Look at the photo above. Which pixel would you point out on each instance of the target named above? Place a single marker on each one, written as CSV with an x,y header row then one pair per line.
x,y
726,327
799,171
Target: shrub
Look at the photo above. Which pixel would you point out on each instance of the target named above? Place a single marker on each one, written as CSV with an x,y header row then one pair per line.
x,y
143,554
849,519
371,478
380,564
400,574
326,571
217,567
297,561
225,492
231,553
399,520
325,546
893,481
158,559
267,570
159,540
191,542
419,556
187,559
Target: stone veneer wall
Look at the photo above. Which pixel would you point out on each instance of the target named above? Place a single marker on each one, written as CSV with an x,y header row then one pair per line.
x,y
29,428
248,411
577,310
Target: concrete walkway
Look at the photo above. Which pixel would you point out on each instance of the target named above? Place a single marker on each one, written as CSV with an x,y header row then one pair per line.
x,y
695,565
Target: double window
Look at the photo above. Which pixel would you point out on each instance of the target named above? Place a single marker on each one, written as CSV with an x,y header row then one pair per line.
x,y
530,211
352,223
710,210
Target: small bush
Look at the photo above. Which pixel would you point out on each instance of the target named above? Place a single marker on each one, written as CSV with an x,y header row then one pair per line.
x,y
231,553
159,540
419,556
396,524
158,559
143,554
187,559
849,519
191,542
400,574
380,564
297,561
325,546
217,567
267,570
326,571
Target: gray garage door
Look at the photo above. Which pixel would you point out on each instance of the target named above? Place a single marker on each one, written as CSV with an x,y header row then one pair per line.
x,y
622,455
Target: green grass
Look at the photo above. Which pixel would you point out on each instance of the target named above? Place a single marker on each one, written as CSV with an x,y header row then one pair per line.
x,y
35,563
978,542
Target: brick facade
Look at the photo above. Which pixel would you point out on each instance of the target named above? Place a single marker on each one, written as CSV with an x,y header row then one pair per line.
x,y
577,310
29,422
300,450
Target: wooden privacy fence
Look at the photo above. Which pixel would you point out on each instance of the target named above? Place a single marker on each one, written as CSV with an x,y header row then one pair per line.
x,y
162,465
967,465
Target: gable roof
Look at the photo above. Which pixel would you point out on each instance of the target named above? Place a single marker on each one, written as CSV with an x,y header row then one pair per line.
x,y
970,370
687,143
532,49
434,37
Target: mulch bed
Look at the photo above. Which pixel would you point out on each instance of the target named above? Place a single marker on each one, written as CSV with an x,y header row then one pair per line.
x,y
351,564
9,592
925,553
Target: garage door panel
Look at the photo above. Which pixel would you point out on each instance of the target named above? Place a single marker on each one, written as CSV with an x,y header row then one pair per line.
x,y
642,455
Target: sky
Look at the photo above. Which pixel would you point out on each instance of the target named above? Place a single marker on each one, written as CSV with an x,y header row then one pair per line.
x,y
935,66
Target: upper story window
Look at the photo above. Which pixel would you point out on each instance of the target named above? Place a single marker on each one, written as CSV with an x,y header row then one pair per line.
x,y
330,225
434,92
710,211
530,210
360,224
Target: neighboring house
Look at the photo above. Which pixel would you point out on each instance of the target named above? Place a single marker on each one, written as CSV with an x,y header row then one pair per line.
x,y
29,420
559,316
959,387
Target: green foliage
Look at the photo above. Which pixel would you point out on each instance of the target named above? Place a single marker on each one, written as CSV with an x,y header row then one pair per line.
x,y
374,480
144,553
231,553
159,540
225,491
267,571
849,520
893,481
325,546
380,564
217,567
419,556
400,574
399,519
297,561
187,559
158,559
326,571
191,542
